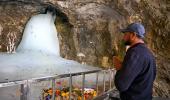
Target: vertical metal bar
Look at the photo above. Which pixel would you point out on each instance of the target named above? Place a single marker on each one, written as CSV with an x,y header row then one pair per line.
x,y
83,84
113,76
97,85
24,91
53,88
110,79
104,84
70,87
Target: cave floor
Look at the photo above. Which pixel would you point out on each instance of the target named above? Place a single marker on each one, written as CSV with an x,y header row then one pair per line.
x,y
114,95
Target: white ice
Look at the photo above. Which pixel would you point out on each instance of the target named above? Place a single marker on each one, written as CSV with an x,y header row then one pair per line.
x,y
40,35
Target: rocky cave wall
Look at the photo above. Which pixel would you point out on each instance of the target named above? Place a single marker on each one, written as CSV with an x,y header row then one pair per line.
x,y
89,29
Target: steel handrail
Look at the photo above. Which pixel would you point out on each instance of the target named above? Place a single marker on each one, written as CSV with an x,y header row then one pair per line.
x,y
32,80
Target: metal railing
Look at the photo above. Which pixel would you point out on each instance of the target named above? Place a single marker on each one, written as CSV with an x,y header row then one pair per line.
x,y
25,88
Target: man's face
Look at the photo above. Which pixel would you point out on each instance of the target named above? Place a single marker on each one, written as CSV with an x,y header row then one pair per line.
x,y
127,38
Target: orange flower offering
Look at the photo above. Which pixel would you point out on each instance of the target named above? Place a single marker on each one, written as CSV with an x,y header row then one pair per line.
x,y
63,94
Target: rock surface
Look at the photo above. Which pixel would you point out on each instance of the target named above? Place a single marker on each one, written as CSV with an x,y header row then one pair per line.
x,y
89,29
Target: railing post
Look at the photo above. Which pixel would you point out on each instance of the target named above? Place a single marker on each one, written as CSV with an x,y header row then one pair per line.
x,y
110,79
97,85
70,86
24,91
113,76
104,82
83,84
53,88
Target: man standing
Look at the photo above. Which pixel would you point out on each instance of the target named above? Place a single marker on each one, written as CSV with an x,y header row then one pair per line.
x,y
135,75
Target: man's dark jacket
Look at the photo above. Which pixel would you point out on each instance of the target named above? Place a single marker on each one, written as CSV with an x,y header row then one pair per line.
x,y
135,79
